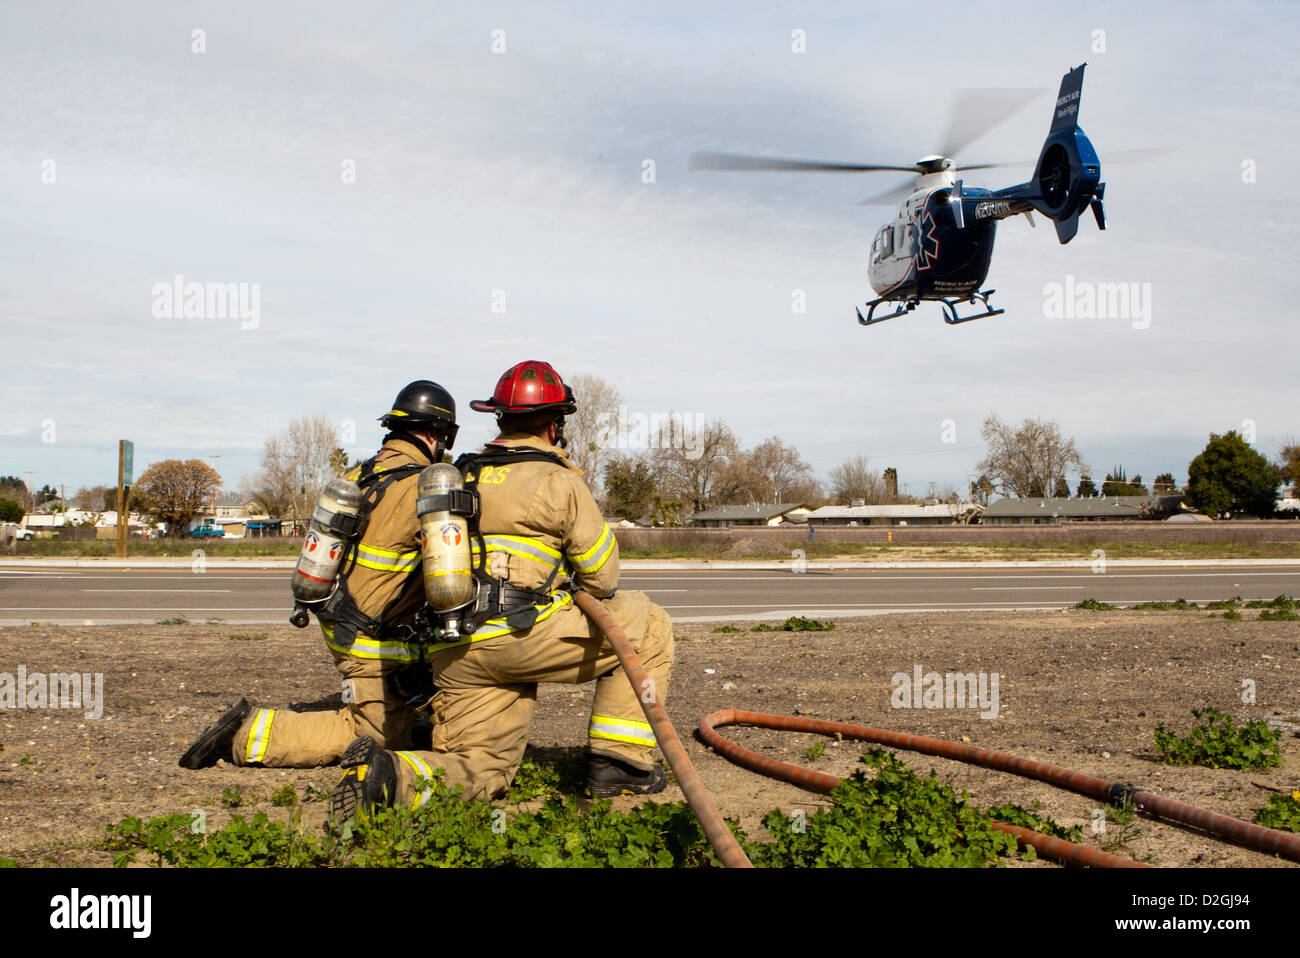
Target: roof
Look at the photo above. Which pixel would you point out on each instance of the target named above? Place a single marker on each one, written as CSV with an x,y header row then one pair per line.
x,y
943,510
1112,506
762,511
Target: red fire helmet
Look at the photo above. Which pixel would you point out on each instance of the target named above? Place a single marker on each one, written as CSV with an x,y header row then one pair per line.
x,y
528,387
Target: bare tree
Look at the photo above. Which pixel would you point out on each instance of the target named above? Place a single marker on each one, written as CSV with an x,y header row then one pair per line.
x,y
854,480
1022,461
808,491
698,465
592,430
1289,463
95,498
777,470
295,465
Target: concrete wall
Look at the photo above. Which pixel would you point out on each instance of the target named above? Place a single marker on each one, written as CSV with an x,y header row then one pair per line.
x,y
1088,533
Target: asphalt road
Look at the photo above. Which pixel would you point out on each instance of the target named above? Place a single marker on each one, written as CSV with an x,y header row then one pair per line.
x,y
145,595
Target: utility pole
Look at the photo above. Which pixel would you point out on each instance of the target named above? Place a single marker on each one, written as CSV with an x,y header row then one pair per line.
x,y
212,461
125,468
31,496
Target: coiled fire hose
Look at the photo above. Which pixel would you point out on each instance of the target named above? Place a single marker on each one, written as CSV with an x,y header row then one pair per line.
x,y
719,835
730,853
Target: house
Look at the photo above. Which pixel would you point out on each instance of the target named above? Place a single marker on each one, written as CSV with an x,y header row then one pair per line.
x,y
1035,511
228,505
771,514
911,514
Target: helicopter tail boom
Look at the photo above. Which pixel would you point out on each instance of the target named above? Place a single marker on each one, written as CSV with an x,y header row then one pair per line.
x,y
1067,177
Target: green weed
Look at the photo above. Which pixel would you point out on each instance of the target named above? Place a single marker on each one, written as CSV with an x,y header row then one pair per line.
x,y
235,796
796,623
1282,811
1179,605
891,817
1220,744
1013,814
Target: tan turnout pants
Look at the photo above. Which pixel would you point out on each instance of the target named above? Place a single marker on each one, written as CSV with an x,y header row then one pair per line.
x,y
280,738
487,692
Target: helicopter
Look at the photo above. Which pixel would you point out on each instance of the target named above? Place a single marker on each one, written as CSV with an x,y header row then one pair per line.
x,y
940,242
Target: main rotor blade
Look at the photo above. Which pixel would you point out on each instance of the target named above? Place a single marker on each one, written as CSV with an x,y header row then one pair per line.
x,y
977,111
1144,154
733,161
890,196
995,166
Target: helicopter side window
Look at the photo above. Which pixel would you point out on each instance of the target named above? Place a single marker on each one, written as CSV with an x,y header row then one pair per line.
x,y
886,239
900,236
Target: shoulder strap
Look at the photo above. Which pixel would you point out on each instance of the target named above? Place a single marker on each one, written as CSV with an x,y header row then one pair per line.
x,y
374,483
505,456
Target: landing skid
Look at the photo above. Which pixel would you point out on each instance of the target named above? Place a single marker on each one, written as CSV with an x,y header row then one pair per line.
x,y
950,308
903,308
950,315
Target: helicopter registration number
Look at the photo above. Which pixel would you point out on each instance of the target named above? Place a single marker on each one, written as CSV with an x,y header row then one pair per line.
x,y
992,208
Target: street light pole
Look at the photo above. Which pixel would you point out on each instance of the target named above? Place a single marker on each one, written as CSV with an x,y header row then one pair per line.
x,y
212,460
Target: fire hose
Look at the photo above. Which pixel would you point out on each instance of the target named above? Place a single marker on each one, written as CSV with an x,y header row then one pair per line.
x,y
715,829
732,856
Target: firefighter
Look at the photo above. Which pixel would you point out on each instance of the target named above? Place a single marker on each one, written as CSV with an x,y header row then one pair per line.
x,y
538,525
370,622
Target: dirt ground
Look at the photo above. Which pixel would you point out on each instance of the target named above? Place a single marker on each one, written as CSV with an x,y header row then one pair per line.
x,y
1079,689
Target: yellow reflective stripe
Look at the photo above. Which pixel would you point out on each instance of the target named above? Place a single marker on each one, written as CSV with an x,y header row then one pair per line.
x,y
495,628
376,551
364,647
524,547
433,575
259,737
615,720
621,730
386,560
597,555
422,770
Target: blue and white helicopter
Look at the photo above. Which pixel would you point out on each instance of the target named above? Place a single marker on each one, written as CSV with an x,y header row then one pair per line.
x,y
939,244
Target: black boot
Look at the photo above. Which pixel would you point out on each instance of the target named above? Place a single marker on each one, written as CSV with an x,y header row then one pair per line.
x,y
369,779
608,776
218,739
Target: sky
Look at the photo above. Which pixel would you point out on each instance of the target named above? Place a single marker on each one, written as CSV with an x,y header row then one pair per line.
x,y
439,191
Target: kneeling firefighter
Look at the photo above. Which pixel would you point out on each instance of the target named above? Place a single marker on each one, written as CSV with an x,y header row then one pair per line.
x,y
537,536
360,573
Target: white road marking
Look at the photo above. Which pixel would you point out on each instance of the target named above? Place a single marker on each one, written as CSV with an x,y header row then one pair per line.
x,y
820,575
884,605
108,608
1025,588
